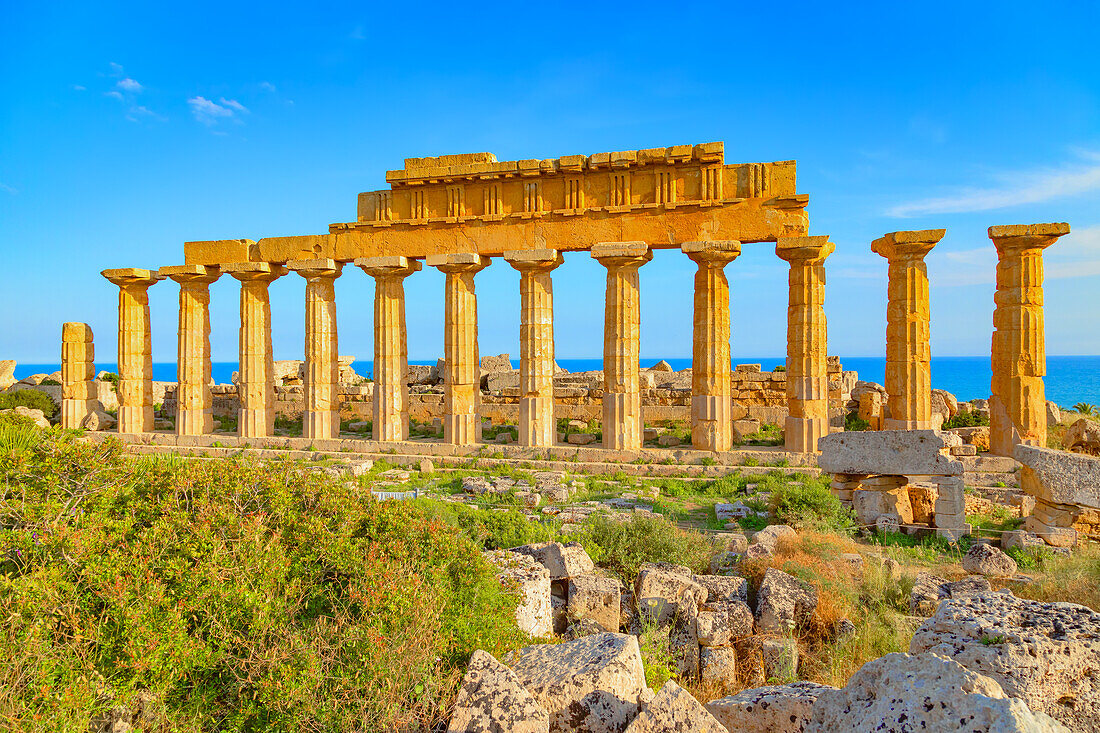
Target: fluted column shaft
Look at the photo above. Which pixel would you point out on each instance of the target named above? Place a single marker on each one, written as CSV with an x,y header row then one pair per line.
x,y
195,408
807,342
391,349
77,373
321,417
256,376
711,390
135,353
1017,406
537,427
622,401
461,362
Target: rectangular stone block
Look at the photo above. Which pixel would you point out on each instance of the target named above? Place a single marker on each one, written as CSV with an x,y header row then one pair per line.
x,y
217,251
1059,477
896,452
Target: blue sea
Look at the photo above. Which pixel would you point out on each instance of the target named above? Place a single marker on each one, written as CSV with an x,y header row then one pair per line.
x,y
1069,380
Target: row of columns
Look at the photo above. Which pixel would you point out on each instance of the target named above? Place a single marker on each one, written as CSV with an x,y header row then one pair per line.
x,y
1018,355
711,415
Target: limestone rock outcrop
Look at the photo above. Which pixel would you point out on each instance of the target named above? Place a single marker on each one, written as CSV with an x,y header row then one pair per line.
x,y
1047,654
674,710
492,700
988,560
592,684
783,603
905,692
659,587
776,708
1083,436
534,614
929,590
563,561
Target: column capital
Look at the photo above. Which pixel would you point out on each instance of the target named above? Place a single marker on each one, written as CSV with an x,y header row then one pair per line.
x,y
617,254
319,268
196,274
76,333
804,250
907,245
389,266
254,271
1016,239
459,262
719,253
132,276
534,260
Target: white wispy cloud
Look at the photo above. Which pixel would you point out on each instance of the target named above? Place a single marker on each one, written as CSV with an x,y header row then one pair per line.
x,y
1012,189
1075,255
116,69
130,85
114,94
8,189
210,113
267,86
79,87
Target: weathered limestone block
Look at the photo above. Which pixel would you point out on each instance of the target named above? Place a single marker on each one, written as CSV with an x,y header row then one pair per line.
x,y
722,588
563,561
98,420
78,391
135,353
596,598
908,356
492,699
683,639
713,627
36,416
461,371
783,603
718,664
622,401
258,374
321,416
592,684
922,692
988,560
1017,406
391,348
891,452
871,409
929,590
195,406
674,709
771,535
1083,436
659,588
537,427
534,614
1059,477
807,342
1047,654
776,709
7,373
711,408
780,658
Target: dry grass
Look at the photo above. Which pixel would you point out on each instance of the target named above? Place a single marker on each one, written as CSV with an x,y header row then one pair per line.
x,y
1073,579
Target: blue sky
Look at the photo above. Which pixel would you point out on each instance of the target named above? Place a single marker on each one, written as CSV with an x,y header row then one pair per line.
x,y
127,129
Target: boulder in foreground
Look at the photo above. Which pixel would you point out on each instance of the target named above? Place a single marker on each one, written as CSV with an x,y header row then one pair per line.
x,y
776,708
674,709
492,699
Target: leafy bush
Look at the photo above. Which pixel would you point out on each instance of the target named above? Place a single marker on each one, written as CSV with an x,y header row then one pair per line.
x,y
966,420
489,529
808,502
624,546
110,377
853,422
31,398
242,595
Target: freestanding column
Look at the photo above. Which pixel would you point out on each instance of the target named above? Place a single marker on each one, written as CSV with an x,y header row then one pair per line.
x,y
321,418
807,342
908,354
77,373
461,365
711,407
622,401
1017,407
135,352
536,344
256,378
391,347
195,414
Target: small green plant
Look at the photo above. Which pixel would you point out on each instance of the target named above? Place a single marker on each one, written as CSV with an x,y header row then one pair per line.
x,y
708,461
994,640
29,398
853,422
111,378
50,382
780,368
970,419
1084,408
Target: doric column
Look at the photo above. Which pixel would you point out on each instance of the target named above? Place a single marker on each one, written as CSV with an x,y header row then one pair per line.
x,y
1017,407
391,348
461,364
711,408
321,418
77,373
256,376
536,344
195,411
622,401
807,342
135,352
908,355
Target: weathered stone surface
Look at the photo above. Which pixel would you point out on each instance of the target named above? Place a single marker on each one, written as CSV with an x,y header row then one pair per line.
x,y
98,420
1083,436
889,452
7,373
772,534
929,590
783,602
988,560
714,627
977,436
37,416
592,684
492,700
595,598
534,614
775,709
659,588
780,658
563,561
723,587
1059,477
683,641
757,551
904,692
674,710
1021,538
1054,414
498,363
718,664
1047,654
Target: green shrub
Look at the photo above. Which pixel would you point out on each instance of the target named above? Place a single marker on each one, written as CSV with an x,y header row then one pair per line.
x,y
31,398
487,528
966,420
243,595
624,546
853,422
110,377
808,502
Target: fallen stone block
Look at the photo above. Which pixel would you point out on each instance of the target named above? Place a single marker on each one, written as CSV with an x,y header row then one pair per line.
x,y
659,588
723,587
783,603
772,534
775,709
595,598
493,699
563,561
534,615
674,709
1059,477
988,560
889,452
718,664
